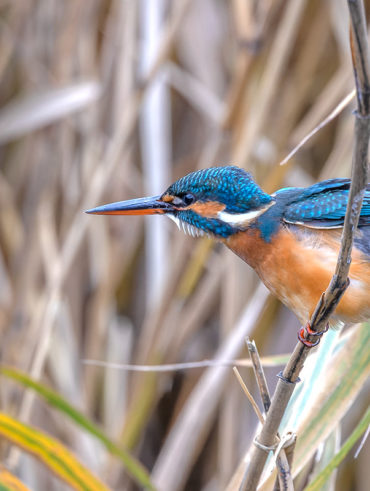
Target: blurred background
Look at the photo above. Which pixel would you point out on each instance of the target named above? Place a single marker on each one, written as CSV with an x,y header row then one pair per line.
x,y
106,100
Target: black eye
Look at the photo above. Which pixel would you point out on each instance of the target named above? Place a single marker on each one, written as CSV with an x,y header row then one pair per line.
x,y
188,199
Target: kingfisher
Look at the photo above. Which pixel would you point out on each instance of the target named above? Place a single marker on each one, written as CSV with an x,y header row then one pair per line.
x,y
290,238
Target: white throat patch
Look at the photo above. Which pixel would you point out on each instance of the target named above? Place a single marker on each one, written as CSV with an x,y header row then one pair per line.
x,y
186,227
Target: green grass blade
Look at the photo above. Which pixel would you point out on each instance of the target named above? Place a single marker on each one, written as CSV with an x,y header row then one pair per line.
x,y
318,483
330,447
336,390
340,381
133,467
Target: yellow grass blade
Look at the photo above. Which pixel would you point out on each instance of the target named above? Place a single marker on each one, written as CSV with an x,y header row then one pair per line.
x,y
52,453
133,467
9,482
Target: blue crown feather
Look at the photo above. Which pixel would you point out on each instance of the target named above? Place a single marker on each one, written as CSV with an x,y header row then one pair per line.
x,y
229,185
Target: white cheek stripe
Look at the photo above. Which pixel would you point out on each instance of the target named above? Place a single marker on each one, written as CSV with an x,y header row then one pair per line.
x,y
239,219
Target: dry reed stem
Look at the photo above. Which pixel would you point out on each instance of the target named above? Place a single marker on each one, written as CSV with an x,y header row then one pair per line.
x,y
278,58
259,374
249,395
195,418
267,361
77,230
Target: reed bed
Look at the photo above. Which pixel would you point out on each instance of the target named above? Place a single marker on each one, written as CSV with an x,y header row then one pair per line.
x,y
110,100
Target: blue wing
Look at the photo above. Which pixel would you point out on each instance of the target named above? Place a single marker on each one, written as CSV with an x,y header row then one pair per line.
x,y
322,205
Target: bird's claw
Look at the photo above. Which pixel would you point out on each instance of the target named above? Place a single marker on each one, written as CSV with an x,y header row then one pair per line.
x,y
307,331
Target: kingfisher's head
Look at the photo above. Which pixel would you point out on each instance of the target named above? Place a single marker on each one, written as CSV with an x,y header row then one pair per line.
x,y
218,201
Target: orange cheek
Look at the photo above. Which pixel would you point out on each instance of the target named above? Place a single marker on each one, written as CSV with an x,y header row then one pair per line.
x,y
208,209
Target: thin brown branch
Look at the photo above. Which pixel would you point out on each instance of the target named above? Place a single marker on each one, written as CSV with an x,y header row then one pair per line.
x,y
339,282
259,374
249,395
332,115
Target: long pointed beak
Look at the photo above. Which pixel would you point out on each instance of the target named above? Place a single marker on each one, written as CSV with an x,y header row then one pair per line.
x,y
141,206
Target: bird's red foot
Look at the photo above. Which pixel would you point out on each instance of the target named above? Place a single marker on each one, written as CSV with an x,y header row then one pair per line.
x,y
307,331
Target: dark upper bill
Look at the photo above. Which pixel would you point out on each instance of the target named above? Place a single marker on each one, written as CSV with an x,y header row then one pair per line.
x,y
141,206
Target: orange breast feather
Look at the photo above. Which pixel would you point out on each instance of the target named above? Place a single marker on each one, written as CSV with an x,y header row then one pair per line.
x,y
297,266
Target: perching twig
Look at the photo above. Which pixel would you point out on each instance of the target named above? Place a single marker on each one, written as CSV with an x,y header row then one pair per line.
x,y
339,282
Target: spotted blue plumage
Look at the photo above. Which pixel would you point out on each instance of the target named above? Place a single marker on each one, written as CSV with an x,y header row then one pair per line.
x,y
322,205
228,185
